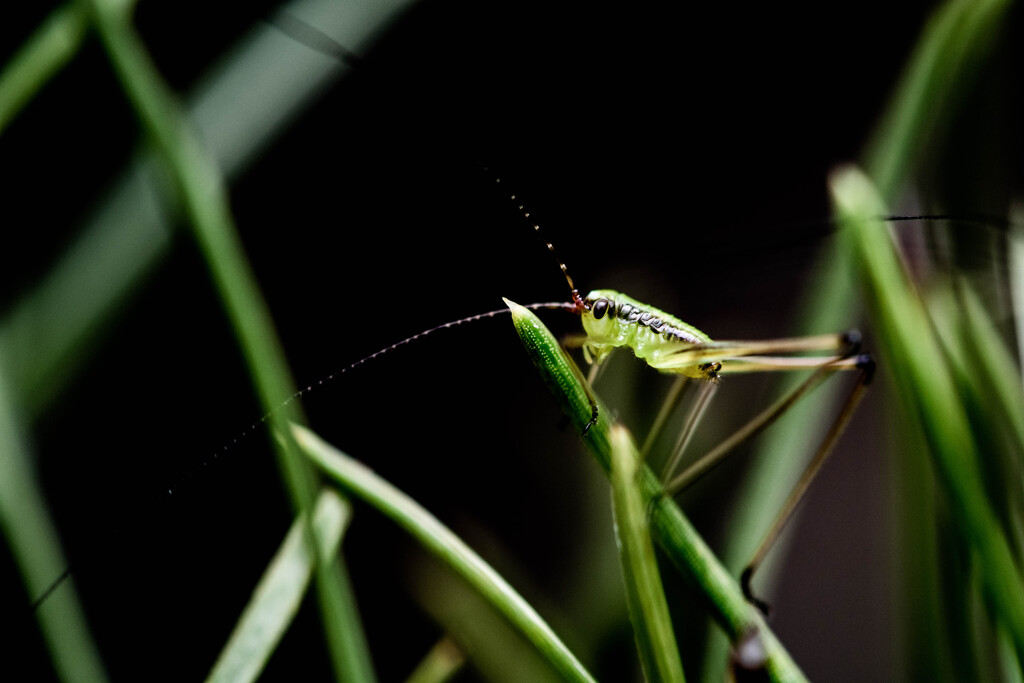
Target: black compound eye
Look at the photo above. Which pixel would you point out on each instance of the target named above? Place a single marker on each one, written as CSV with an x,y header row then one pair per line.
x,y
599,308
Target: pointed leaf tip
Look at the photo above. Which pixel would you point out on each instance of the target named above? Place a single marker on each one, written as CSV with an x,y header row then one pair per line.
x,y
516,309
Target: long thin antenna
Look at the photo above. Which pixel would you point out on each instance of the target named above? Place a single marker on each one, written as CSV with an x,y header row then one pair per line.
x,y
303,392
244,434
577,300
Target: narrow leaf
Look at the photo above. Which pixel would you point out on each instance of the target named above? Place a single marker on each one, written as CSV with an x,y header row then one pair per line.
x,y
277,596
928,390
439,540
669,526
652,624
442,662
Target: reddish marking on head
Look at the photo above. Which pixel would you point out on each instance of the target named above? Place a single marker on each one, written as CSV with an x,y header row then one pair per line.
x,y
579,304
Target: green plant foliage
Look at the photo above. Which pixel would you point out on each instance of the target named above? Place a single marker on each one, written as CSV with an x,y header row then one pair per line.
x,y
197,199
652,623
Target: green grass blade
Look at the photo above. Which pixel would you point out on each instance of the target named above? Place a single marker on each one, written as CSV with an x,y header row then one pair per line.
x,y
951,48
670,528
988,381
494,647
1015,266
996,375
276,599
33,539
204,198
200,186
1011,664
953,44
652,624
52,46
50,332
239,109
443,661
360,481
928,390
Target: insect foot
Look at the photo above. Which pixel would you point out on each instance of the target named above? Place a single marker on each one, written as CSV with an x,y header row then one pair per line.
x,y
760,604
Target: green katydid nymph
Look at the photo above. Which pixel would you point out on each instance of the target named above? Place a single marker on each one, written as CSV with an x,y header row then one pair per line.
x,y
614,320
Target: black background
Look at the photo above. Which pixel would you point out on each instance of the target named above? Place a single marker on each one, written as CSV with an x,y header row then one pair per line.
x,y
674,152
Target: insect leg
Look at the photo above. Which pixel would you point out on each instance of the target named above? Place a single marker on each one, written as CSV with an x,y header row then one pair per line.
x,y
574,341
590,395
667,406
771,363
690,355
867,367
755,426
707,391
823,368
596,369
577,341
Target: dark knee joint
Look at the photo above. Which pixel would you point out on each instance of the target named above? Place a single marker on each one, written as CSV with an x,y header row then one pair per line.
x,y
745,578
866,364
852,340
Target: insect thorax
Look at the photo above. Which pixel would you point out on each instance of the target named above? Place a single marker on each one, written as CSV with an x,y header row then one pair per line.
x,y
612,319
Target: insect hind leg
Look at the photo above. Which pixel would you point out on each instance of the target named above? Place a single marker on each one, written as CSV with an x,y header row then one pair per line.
x,y
866,364
736,356
822,369
848,345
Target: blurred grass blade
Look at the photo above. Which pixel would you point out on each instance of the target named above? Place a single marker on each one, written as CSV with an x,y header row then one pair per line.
x,y
277,597
995,372
246,101
1011,665
669,527
47,336
652,624
52,46
1015,266
443,661
927,388
989,382
954,43
439,540
201,188
924,101
493,646
33,540
203,195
